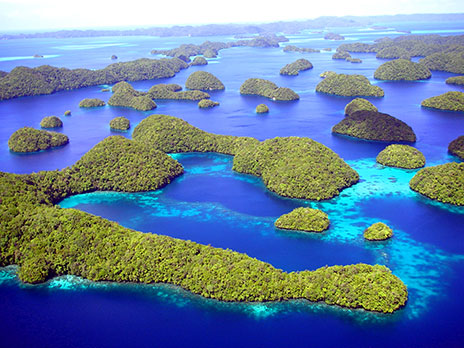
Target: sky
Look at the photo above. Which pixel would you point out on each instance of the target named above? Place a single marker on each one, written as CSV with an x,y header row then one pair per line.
x,y
40,15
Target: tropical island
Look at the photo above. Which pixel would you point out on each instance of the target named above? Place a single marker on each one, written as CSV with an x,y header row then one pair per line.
x,y
401,156
51,122
28,139
174,91
304,219
203,80
452,61
294,68
199,61
455,80
393,52
378,231
374,125
450,101
120,123
91,103
348,86
341,55
211,49
353,60
97,249
333,36
402,69
318,173
262,109
442,53
441,183
268,89
293,48
456,147
207,103
358,104
125,95
45,79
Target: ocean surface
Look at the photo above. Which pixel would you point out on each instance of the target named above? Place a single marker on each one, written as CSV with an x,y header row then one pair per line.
x,y
211,204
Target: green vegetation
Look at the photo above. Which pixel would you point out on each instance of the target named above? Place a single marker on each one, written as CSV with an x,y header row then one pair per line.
x,y
372,125
292,48
341,55
45,79
91,103
262,109
28,139
348,86
199,61
441,52
393,52
442,183
171,134
207,103
401,156
171,91
378,231
304,219
333,36
203,80
47,241
211,49
51,122
142,103
292,167
120,123
67,113
268,89
125,95
358,104
456,147
452,101
296,167
402,69
353,60
455,80
295,67
445,61
327,73
356,47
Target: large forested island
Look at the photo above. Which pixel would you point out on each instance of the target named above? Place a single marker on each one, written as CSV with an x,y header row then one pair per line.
x,y
45,79
203,80
401,156
318,173
374,125
304,219
125,95
451,101
55,241
348,86
456,147
295,67
442,183
402,69
268,89
28,139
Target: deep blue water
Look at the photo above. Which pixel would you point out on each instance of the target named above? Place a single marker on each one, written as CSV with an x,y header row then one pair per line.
x,y
211,204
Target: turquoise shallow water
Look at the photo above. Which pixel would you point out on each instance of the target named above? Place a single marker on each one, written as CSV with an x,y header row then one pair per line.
x,y
213,205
